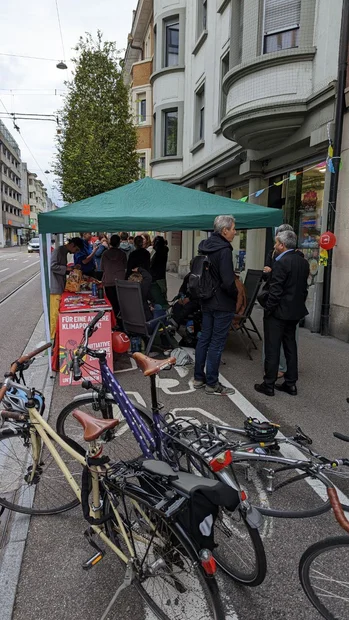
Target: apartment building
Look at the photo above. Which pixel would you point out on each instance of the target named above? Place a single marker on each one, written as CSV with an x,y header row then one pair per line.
x,y
138,67
243,96
12,220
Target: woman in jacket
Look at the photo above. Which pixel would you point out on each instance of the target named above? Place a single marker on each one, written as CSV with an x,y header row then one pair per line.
x,y
113,264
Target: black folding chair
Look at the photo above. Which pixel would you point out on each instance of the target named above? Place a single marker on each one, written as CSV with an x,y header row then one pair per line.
x,y
253,281
133,316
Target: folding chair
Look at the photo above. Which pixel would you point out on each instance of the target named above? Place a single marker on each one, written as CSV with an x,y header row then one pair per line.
x,y
133,316
253,281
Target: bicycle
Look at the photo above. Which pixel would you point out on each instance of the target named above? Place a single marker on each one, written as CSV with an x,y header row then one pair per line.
x,y
141,510
324,567
240,551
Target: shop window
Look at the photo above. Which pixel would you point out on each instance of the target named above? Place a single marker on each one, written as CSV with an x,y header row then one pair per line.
x,y
281,25
170,132
172,43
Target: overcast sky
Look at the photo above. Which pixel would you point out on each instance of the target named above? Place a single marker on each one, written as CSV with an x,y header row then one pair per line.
x,y
31,29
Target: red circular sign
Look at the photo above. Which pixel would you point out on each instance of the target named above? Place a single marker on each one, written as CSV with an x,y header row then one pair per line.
x,y
120,342
328,240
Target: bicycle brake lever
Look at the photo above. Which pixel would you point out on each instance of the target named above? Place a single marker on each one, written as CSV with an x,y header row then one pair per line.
x,y
301,436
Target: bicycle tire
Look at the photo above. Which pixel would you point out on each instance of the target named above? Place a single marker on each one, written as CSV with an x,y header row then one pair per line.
x,y
240,552
176,554
39,497
313,592
117,450
261,498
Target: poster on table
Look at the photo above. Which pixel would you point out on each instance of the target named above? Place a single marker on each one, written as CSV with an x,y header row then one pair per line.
x,y
71,332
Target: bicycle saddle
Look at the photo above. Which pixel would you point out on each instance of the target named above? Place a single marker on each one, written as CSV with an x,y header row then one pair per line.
x,y
93,427
150,366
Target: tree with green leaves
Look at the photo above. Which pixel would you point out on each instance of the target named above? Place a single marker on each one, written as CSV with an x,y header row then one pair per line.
x,y
96,139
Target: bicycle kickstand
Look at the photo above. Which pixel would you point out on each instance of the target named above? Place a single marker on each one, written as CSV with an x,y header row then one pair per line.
x,y
129,574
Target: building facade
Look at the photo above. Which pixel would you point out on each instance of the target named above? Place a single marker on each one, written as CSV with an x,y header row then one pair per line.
x,y
138,67
12,221
243,96
37,200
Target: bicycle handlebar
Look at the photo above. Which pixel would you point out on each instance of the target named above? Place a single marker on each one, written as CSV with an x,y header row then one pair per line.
x,y
22,360
337,508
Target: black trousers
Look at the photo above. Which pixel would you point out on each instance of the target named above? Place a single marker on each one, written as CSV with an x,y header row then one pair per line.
x,y
111,294
277,332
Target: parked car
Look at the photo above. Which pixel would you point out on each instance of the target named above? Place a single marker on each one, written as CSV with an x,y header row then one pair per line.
x,y
34,245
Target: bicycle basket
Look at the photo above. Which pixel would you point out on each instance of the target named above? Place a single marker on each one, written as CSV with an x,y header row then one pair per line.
x,y
260,431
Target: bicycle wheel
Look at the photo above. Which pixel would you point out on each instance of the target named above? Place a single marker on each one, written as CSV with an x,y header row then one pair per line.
x,y
122,447
168,575
240,552
48,492
278,490
324,575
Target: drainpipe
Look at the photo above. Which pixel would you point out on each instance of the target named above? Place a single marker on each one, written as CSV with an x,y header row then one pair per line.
x,y
134,47
337,147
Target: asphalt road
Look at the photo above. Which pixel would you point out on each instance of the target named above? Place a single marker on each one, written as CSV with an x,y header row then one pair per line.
x,y
52,582
19,313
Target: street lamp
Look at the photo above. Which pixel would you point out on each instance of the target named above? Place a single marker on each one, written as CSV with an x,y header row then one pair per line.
x,y
61,65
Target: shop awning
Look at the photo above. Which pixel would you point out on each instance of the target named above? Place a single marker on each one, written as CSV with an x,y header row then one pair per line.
x,y
150,204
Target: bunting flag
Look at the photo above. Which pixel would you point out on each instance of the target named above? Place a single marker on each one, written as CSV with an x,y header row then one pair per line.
x,y
293,175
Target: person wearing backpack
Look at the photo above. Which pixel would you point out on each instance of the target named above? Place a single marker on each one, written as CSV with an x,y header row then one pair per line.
x,y
212,280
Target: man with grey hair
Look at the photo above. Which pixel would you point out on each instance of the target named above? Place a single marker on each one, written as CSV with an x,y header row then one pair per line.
x,y
218,310
283,309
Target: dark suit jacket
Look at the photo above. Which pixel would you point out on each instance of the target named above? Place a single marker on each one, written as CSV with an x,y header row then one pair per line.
x,y
288,288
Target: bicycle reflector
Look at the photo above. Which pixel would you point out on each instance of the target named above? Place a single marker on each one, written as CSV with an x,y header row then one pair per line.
x,y
221,461
208,562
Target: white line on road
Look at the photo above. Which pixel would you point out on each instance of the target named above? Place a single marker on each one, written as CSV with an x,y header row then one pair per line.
x,y
11,275
1,270
25,261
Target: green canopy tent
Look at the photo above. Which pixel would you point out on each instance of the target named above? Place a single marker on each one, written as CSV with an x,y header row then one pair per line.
x,y
147,204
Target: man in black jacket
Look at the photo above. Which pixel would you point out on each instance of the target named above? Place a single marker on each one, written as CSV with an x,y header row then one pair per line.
x,y
218,311
283,309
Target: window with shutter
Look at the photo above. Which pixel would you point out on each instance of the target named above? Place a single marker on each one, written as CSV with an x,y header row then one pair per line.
x,y
281,24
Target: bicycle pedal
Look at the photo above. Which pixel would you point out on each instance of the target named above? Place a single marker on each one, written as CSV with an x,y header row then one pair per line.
x,y
96,558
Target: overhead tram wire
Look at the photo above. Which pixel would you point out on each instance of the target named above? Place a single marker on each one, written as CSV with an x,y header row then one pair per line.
x,y
30,151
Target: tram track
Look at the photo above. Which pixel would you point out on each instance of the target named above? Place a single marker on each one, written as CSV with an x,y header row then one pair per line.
x,y
19,287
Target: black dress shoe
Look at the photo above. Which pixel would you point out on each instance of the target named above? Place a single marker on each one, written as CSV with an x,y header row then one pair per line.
x,y
289,389
264,389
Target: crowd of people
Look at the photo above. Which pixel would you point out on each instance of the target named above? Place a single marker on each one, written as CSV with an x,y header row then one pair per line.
x,y
142,260
108,258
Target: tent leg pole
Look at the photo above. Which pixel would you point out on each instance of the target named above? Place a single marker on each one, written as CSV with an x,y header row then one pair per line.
x,y
45,290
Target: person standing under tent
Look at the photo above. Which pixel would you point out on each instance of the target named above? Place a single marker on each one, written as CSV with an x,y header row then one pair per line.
x,y
59,260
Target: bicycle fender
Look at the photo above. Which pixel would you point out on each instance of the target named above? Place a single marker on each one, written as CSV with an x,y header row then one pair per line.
x,y
253,517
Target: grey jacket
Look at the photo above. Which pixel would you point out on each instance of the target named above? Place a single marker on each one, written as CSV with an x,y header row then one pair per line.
x,y
59,259
113,265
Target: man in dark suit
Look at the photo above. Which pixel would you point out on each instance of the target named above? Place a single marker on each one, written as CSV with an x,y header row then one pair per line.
x,y
283,309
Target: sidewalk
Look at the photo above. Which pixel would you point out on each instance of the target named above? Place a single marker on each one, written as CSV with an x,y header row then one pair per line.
x,y
55,546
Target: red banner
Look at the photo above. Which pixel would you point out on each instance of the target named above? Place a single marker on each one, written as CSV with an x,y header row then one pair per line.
x,y
71,329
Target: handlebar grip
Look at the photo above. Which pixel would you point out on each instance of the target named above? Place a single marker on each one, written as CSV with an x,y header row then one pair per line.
x,y
341,436
337,509
96,319
77,374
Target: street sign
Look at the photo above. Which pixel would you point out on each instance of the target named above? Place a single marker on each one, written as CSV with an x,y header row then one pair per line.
x,y
26,210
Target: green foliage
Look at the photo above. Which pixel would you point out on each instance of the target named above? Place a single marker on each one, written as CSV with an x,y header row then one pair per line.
x,y
97,139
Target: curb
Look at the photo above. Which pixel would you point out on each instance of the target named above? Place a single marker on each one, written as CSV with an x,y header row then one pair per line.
x,y
16,528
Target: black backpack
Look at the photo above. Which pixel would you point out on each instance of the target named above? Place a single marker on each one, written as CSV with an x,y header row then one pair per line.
x,y
201,285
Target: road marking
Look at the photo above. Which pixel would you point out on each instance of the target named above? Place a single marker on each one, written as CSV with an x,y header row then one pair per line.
x,y
11,275
25,261
287,451
1,270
